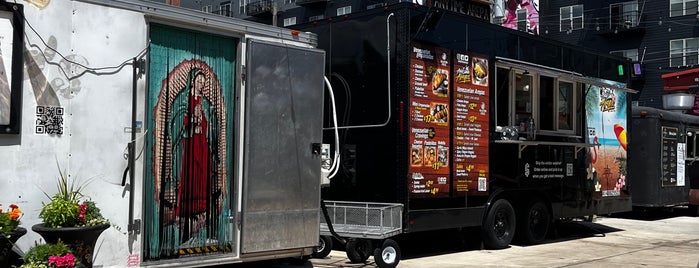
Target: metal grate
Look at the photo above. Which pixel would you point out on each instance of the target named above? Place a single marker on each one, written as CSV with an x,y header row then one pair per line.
x,y
364,220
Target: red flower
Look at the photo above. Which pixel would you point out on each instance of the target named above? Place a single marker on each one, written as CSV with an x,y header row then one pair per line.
x,y
81,215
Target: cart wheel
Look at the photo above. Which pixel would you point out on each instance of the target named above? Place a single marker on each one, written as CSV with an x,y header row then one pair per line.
x,y
325,245
499,225
534,223
358,250
693,210
388,255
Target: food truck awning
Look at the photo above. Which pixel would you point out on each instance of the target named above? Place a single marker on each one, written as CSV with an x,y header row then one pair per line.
x,y
682,80
555,72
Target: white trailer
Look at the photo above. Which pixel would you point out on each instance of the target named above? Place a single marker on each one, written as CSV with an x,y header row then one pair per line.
x,y
200,133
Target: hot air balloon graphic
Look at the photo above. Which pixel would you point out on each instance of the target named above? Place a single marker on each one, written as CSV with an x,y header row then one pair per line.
x,y
620,133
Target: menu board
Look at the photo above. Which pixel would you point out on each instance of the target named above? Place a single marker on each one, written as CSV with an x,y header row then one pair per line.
x,y
430,91
668,158
471,117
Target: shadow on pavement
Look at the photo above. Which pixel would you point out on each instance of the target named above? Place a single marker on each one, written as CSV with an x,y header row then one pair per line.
x,y
654,214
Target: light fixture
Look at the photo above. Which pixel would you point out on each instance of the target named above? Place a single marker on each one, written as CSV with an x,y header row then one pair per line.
x,y
525,72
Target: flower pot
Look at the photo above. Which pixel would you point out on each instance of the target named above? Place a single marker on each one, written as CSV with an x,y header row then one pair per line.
x,y
81,240
7,256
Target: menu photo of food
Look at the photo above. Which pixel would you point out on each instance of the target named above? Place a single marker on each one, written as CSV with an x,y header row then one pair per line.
x,y
480,71
416,155
430,155
440,83
439,112
443,155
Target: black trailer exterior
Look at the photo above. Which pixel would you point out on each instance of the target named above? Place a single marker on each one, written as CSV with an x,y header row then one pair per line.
x,y
665,171
486,178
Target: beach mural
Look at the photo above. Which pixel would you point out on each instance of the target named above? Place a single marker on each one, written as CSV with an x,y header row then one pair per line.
x,y
606,129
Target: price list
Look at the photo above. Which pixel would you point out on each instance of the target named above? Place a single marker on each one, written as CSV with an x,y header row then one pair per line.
x,y
669,156
429,121
471,118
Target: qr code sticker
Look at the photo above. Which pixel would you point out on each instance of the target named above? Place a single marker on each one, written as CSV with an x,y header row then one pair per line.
x,y
49,120
482,186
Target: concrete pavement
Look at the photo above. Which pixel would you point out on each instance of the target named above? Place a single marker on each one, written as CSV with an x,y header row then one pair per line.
x,y
655,239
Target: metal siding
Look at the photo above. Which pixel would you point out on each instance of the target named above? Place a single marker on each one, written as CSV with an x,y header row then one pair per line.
x,y
281,178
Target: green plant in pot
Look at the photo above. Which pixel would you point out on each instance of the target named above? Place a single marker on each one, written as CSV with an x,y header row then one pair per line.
x,y
9,233
56,255
72,218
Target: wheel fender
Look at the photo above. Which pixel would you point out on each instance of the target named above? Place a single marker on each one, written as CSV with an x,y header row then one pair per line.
x,y
497,194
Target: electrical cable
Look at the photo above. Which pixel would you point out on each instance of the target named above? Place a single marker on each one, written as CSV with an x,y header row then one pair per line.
x,y
93,70
335,165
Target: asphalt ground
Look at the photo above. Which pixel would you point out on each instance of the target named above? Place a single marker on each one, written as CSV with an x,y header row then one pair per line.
x,y
658,238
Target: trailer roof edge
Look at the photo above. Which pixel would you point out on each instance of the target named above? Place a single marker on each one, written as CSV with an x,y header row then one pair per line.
x,y
564,73
195,17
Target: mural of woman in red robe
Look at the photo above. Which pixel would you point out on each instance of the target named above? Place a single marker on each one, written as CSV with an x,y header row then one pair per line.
x,y
190,166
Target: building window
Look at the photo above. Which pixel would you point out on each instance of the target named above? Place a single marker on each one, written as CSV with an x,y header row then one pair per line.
x,y
623,15
225,9
571,18
684,52
241,6
207,9
289,21
522,20
315,18
683,7
344,10
289,2
631,54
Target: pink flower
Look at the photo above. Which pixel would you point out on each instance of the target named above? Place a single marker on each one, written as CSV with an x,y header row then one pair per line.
x,y
67,261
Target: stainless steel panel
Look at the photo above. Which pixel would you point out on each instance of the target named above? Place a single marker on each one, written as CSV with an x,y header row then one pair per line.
x,y
283,117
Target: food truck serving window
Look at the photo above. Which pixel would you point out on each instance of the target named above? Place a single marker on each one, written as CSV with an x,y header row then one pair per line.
x,y
527,96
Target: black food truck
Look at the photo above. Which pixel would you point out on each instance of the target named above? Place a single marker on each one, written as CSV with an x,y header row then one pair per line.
x,y
666,172
447,121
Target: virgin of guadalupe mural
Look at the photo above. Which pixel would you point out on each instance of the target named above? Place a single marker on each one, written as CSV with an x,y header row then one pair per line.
x,y
189,155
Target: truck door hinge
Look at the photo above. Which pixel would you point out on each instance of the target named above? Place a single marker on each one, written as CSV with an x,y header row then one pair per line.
x,y
135,227
243,74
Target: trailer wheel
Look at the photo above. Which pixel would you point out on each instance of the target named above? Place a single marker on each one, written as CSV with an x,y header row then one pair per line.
x,y
358,250
499,226
534,224
388,255
694,210
325,245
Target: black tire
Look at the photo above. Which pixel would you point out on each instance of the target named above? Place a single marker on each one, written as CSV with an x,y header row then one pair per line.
x,y
325,245
693,210
534,223
388,255
499,226
358,250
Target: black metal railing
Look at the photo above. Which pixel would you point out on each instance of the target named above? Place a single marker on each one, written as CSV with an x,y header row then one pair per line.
x,y
259,7
309,2
625,20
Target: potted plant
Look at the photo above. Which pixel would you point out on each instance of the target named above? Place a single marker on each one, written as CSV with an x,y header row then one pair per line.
x,y
56,255
72,218
9,232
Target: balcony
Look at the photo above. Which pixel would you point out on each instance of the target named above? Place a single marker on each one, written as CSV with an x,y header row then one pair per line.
x,y
311,2
260,8
621,24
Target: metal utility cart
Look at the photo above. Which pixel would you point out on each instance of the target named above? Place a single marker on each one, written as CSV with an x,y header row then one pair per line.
x,y
368,226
